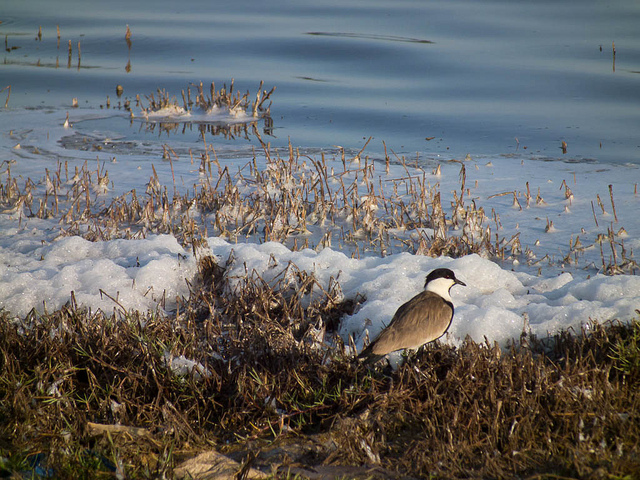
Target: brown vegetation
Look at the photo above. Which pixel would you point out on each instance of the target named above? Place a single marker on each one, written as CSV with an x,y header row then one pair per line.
x,y
86,395
298,200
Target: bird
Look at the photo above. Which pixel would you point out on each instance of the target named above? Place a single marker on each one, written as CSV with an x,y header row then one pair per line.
x,y
423,319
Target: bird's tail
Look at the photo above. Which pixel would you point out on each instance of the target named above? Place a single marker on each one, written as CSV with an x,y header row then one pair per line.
x,y
368,357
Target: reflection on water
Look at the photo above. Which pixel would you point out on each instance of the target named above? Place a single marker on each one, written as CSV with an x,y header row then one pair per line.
x,y
389,38
440,77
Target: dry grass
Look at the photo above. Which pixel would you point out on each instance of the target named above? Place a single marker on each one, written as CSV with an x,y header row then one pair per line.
x,y
347,202
303,202
296,199
87,395
162,108
225,99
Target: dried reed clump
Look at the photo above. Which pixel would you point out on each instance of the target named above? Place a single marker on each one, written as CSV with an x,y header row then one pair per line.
x,y
614,256
290,315
228,100
296,199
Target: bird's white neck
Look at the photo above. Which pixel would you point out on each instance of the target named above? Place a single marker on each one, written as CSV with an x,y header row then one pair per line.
x,y
441,287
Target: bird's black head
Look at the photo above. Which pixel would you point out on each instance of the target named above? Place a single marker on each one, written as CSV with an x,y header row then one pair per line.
x,y
443,273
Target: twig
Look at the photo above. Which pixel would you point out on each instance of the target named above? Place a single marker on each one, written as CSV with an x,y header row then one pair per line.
x,y
613,205
8,88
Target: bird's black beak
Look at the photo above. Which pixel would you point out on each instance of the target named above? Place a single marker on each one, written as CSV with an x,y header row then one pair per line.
x,y
459,282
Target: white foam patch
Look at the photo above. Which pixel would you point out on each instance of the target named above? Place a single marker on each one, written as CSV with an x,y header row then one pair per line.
x,y
215,114
496,304
183,366
136,274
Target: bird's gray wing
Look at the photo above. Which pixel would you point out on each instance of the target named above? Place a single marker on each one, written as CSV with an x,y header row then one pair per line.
x,y
411,326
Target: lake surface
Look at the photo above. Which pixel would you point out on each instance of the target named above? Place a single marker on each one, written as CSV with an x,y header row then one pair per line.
x,y
479,77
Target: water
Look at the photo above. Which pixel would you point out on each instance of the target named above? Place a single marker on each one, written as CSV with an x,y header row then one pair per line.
x,y
485,78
